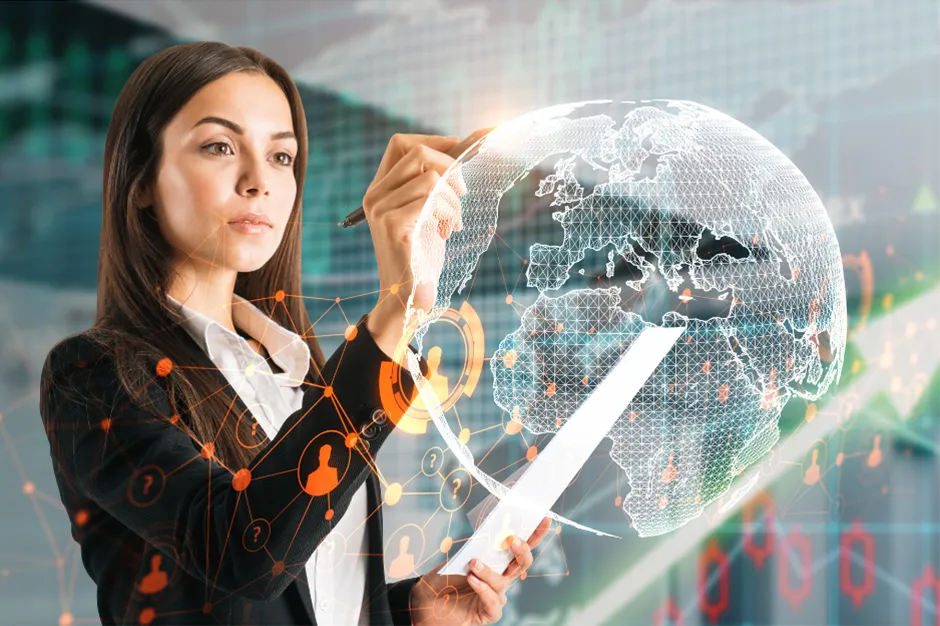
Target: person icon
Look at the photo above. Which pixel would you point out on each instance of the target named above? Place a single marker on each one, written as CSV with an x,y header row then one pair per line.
x,y
324,479
439,383
503,534
670,473
156,580
874,457
404,563
812,474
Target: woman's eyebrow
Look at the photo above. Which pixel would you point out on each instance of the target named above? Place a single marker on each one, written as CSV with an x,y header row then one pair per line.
x,y
221,121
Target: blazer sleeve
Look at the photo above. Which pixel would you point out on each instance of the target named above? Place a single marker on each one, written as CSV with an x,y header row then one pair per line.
x,y
101,441
399,600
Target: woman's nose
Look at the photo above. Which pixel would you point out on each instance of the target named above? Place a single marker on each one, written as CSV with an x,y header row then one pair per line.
x,y
253,181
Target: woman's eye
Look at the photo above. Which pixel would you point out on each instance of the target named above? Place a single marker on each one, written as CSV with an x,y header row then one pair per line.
x,y
289,161
214,144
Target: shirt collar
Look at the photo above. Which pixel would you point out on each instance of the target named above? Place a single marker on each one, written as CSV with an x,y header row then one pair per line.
x,y
287,349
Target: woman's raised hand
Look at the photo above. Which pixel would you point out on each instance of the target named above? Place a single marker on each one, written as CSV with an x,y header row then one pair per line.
x,y
409,171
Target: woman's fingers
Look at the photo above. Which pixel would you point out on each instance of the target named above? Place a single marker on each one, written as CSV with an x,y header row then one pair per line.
x,y
468,141
540,532
407,201
404,205
490,599
400,144
521,562
419,160
516,567
489,575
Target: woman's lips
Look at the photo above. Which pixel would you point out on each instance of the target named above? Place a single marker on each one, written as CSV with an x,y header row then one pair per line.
x,y
250,223
250,228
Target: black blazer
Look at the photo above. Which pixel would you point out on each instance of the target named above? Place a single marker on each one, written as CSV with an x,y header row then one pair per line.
x,y
165,533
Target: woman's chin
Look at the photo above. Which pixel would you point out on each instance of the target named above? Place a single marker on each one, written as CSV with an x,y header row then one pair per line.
x,y
244,264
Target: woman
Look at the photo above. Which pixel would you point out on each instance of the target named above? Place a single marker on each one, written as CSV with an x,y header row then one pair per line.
x,y
210,458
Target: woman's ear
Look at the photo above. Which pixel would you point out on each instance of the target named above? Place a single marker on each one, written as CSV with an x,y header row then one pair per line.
x,y
144,199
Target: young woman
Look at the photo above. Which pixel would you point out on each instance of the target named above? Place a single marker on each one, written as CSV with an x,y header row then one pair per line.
x,y
215,466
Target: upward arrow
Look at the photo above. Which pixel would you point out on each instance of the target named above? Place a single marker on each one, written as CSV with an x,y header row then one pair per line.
x,y
924,202
887,347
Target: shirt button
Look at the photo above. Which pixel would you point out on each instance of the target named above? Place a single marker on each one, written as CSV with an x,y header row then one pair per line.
x,y
369,430
379,417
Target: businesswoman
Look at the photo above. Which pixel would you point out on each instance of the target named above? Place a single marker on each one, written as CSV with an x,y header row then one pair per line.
x,y
215,466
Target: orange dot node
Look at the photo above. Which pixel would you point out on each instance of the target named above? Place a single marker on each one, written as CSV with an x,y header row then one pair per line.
x,y
164,367
351,332
446,544
278,567
65,619
29,487
351,440
811,412
106,424
329,514
393,289
242,479
524,575
279,295
207,608
208,450
550,391
513,426
510,358
618,501
328,391
81,517
174,418
531,453
509,299
146,616
393,494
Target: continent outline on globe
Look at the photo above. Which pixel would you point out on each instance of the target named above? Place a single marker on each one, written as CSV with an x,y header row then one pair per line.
x,y
677,173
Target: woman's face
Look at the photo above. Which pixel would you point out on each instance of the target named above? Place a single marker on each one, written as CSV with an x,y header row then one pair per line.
x,y
227,155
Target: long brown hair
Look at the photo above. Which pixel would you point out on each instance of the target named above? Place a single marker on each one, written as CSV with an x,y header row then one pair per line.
x,y
134,318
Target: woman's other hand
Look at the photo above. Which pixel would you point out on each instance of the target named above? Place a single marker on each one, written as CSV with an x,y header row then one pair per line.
x,y
409,171
477,598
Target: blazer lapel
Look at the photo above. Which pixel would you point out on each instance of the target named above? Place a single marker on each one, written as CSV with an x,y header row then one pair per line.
x,y
379,611
300,589
377,596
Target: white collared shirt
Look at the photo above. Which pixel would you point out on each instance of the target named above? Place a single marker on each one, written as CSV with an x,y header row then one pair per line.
x,y
337,580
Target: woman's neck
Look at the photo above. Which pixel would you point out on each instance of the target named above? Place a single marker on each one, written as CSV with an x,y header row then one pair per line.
x,y
209,293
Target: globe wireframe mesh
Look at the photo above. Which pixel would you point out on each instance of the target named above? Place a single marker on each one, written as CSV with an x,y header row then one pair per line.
x,y
668,177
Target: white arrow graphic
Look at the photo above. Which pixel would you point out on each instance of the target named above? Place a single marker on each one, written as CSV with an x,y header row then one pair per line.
x,y
900,350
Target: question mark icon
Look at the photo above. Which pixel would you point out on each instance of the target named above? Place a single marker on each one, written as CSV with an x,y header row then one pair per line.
x,y
446,598
148,480
457,484
257,532
254,429
433,459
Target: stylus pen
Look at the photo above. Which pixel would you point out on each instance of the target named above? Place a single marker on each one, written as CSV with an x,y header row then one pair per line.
x,y
359,215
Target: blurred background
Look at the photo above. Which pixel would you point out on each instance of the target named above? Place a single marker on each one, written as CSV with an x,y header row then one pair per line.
x,y
843,525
